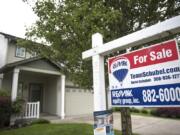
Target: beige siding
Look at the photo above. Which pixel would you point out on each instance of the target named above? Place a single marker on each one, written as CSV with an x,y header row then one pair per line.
x,y
78,102
7,81
11,57
51,96
41,64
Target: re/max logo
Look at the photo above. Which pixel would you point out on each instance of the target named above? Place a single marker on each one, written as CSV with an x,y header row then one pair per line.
x,y
122,93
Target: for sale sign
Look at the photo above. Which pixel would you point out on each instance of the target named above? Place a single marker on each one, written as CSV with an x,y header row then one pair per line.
x,y
147,77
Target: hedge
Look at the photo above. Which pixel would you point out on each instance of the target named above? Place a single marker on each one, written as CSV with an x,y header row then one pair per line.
x,y
170,112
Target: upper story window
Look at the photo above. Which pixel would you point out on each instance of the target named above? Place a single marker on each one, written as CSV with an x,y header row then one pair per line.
x,y
20,52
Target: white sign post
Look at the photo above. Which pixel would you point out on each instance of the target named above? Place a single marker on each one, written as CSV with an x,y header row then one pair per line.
x,y
98,75
99,50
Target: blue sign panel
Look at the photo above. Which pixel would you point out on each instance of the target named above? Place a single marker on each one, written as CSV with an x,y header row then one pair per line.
x,y
165,95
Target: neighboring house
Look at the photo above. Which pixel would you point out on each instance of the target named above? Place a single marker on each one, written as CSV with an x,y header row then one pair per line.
x,y
39,80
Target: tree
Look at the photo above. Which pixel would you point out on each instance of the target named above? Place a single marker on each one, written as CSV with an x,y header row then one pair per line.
x,y
67,25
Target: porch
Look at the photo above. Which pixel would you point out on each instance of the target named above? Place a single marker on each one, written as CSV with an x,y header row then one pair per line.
x,y
39,83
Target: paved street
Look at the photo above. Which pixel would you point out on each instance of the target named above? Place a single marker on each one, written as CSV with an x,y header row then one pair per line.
x,y
141,125
151,125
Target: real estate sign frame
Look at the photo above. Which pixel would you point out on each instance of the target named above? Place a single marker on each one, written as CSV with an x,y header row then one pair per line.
x,y
149,77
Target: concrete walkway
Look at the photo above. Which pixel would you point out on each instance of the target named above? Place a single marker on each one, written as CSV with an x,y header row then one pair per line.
x,y
141,124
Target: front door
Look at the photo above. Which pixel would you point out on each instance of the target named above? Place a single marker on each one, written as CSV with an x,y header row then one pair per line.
x,y
36,93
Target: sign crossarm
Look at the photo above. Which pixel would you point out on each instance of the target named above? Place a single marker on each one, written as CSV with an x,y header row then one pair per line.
x,y
162,29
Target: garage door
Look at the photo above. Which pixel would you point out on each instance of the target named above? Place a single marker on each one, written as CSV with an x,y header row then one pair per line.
x,y
78,102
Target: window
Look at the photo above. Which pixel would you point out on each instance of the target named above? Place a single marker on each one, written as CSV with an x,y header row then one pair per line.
x,y
20,52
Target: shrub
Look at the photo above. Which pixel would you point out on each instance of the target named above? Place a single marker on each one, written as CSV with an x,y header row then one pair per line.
x,y
21,123
144,111
5,111
132,109
4,93
135,110
153,112
18,106
173,112
40,121
7,108
116,109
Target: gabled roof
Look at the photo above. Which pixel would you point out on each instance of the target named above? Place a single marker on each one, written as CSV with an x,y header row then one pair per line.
x,y
11,37
10,66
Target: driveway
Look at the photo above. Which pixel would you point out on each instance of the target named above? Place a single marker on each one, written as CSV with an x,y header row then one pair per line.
x,y
142,125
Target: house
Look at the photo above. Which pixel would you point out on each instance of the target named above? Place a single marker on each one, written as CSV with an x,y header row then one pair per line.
x,y
40,83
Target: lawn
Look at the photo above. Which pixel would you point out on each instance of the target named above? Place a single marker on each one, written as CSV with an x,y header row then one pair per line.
x,y
53,129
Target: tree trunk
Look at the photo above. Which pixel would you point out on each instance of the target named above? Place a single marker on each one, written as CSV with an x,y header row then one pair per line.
x,y
126,121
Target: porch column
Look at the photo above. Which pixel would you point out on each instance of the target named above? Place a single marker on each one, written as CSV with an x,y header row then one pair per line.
x,y
58,96
62,96
14,84
1,79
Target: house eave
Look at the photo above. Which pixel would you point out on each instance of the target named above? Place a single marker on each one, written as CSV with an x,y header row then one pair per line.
x,y
10,66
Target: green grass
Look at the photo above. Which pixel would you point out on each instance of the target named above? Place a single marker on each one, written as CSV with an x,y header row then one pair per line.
x,y
53,129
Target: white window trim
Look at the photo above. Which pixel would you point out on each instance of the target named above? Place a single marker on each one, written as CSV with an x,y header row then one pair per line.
x,y
19,52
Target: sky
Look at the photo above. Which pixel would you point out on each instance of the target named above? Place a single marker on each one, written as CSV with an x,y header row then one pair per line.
x,y
15,17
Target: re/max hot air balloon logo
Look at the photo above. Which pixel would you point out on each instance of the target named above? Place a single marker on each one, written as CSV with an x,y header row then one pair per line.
x,y
119,68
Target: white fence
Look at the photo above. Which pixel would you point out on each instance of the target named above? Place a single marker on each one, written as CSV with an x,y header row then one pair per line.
x,y
32,110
